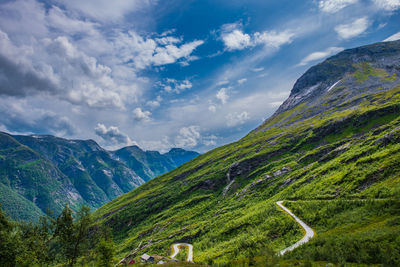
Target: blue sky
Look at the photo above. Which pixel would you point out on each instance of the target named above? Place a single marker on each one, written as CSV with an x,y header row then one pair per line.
x,y
162,74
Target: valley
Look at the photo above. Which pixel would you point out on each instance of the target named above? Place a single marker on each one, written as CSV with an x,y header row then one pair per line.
x,y
324,143
41,173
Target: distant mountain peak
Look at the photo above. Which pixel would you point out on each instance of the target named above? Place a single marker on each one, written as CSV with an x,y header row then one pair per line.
x,y
49,171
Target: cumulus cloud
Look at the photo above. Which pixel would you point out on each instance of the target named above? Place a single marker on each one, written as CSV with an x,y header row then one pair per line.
x,y
141,115
332,6
235,39
105,9
47,58
188,137
222,95
388,5
234,119
320,55
154,103
57,67
353,29
112,135
393,37
59,19
273,38
20,117
172,85
18,75
144,52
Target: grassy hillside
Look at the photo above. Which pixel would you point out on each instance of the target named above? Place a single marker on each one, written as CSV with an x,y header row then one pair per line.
x,y
336,137
42,172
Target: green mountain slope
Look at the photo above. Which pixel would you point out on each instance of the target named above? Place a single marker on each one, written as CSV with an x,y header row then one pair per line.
x,y
149,164
42,172
336,137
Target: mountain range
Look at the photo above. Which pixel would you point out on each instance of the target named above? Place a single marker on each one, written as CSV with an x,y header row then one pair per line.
x,y
332,149
41,173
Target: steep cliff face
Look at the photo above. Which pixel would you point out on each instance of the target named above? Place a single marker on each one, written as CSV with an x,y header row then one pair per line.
x,y
336,137
47,172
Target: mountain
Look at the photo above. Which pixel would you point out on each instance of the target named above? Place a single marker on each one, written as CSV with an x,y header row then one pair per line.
x,y
43,172
149,164
333,147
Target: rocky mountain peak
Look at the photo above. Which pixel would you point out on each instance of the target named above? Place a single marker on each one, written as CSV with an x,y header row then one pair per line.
x,y
321,78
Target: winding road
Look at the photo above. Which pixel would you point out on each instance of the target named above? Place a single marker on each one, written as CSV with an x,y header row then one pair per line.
x,y
309,231
177,249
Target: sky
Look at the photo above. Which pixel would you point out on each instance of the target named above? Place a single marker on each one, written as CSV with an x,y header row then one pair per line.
x,y
163,74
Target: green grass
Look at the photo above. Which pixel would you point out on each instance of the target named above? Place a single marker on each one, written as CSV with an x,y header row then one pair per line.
x,y
364,70
349,149
360,231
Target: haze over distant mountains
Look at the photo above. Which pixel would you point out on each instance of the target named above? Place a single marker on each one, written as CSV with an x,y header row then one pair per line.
x,y
43,172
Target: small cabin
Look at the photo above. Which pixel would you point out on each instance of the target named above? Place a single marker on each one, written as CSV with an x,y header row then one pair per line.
x,y
147,258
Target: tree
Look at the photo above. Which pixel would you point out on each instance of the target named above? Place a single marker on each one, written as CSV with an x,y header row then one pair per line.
x,y
8,242
105,253
73,235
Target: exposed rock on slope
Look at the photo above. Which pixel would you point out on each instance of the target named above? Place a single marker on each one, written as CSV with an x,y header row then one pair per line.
x,y
48,172
335,137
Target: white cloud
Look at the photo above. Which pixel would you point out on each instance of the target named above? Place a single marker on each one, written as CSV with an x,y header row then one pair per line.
x,y
388,5
58,18
212,108
223,82
357,27
222,95
58,67
145,52
20,116
141,115
210,140
105,9
393,37
154,103
320,55
257,69
235,39
234,119
173,85
188,137
332,6
112,135
162,145
98,70
273,38
242,81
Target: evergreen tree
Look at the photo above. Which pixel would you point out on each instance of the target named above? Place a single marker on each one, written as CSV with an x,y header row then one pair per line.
x,y
65,232
105,253
81,233
8,242
73,235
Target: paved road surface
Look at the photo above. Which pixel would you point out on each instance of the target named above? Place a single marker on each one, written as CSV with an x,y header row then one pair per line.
x,y
309,232
177,249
